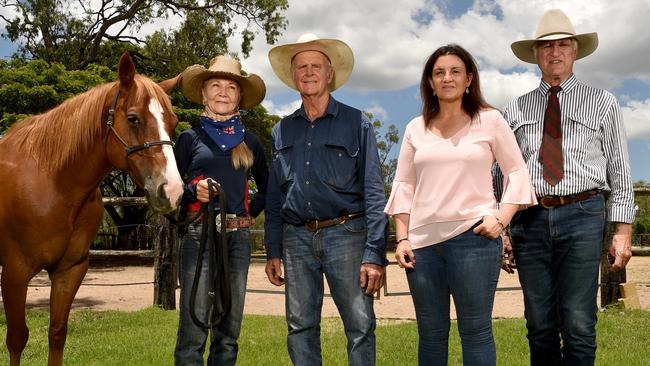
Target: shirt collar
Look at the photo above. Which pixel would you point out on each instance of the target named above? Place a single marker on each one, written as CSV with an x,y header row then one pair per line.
x,y
567,86
332,110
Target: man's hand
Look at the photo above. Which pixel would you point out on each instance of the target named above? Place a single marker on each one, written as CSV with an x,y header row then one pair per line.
x,y
508,259
202,190
621,250
372,277
274,271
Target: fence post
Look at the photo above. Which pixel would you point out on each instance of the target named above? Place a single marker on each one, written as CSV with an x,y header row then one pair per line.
x,y
164,294
609,280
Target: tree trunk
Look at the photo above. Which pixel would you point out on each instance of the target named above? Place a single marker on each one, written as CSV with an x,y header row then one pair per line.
x,y
165,265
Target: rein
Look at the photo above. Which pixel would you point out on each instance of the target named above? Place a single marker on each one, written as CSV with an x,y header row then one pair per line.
x,y
219,295
133,148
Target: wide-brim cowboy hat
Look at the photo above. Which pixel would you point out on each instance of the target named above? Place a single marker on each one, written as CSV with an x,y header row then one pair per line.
x,y
339,54
555,25
252,86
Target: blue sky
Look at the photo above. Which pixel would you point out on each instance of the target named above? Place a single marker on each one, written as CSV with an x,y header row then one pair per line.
x,y
391,40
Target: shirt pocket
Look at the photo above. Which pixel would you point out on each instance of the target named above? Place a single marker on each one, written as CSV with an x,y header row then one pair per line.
x,y
583,133
340,157
281,164
529,136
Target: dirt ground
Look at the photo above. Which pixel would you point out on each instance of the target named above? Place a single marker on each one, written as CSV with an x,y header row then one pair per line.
x,y
129,288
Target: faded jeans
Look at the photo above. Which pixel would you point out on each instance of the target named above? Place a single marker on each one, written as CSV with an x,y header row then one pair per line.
x,y
335,252
191,339
467,268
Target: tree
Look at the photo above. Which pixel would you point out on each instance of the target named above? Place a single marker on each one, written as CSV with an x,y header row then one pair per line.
x,y
385,144
73,32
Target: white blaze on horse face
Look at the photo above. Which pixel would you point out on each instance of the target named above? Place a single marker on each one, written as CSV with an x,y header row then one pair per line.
x,y
174,186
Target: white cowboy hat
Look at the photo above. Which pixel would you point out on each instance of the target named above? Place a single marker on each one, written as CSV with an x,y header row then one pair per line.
x,y
252,86
339,54
555,25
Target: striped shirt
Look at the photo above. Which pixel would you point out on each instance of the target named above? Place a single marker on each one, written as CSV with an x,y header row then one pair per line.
x,y
594,144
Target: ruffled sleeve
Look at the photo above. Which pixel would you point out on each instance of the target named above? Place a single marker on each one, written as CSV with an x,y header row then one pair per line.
x,y
517,185
518,188
401,195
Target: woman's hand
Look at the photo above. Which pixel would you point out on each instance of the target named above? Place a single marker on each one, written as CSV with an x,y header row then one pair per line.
x,y
404,254
202,190
489,228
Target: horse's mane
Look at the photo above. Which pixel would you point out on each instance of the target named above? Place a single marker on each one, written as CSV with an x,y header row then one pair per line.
x,y
57,136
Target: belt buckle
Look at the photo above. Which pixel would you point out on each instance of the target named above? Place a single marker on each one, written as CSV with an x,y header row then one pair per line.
x,y
312,225
541,202
217,220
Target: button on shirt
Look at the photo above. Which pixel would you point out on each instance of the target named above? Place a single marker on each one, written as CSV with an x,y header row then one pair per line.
x,y
594,143
325,169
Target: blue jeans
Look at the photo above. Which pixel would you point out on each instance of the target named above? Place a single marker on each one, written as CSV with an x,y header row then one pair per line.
x,y
467,267
335,252
558,253
191,339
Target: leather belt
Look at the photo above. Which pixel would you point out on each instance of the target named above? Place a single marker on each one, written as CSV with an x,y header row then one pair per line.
x,y
320,224
233,222
550,201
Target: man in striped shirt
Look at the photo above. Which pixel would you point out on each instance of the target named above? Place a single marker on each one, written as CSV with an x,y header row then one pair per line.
x,y
573,140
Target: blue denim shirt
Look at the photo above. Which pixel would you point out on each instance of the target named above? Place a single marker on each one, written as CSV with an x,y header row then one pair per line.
x,y
324,169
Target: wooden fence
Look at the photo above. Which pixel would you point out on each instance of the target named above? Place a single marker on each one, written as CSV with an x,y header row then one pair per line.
x,y
165,263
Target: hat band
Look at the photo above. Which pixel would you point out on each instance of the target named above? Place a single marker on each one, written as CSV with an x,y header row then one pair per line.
x,y
554,34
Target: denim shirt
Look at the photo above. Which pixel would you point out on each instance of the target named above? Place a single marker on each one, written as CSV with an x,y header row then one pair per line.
x,y
324,169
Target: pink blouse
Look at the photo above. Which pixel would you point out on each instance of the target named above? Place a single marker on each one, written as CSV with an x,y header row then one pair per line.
x,y
446,184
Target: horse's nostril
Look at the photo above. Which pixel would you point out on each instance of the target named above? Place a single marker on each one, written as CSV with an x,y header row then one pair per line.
x,y
161,191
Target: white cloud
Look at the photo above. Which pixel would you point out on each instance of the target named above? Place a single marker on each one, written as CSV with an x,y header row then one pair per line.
x,y
377,111
390,46
283,109
500,88
636,115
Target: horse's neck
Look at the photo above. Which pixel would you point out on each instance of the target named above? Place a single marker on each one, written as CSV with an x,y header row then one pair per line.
x,y
86,171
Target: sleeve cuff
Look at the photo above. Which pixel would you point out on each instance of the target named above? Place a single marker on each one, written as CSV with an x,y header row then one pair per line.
x,y
373,257
518,188
401,198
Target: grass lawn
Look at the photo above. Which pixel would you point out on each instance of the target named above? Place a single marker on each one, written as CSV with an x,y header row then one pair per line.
x,y
147,337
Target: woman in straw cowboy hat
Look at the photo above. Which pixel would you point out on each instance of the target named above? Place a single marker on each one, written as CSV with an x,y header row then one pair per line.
x,y
218,148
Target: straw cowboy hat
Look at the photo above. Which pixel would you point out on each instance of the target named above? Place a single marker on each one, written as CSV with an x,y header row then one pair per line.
x,y
252,86
339,54
555,25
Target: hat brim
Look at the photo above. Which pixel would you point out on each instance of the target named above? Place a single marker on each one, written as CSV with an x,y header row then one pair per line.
x,y
252,86
587,44
339,54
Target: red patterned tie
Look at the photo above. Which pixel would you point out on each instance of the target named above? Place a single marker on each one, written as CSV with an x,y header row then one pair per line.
x,y
551,151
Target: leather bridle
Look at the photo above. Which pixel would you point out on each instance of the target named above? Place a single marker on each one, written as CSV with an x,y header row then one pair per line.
x,y
128,149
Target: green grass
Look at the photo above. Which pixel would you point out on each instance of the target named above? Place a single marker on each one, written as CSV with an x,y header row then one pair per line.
x,y
147,337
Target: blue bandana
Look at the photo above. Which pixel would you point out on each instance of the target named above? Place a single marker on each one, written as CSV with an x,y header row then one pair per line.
x,y
226,134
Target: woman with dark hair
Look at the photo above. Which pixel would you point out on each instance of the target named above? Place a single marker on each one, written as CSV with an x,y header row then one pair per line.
x,y
448,224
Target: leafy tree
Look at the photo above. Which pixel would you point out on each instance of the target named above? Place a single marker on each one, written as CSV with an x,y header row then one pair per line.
x,y
385,144
74,32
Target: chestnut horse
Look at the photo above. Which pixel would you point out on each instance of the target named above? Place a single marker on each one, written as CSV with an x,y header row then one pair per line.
x,y
51,166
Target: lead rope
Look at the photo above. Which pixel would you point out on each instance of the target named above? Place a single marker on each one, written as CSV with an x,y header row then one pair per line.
x,y
219,295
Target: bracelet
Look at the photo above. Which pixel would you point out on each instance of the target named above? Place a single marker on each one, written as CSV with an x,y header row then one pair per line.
x,y
503,227
401,240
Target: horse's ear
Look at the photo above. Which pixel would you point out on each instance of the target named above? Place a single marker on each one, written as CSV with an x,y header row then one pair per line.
x,y
126,70
169,84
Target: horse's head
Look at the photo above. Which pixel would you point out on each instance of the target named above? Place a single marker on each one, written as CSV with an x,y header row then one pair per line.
x,y
138,139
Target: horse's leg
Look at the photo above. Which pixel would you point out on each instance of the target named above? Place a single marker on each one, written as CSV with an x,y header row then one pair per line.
x,y
15,278
65,284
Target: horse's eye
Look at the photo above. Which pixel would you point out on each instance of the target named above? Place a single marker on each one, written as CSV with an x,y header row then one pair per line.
x,y
133,119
